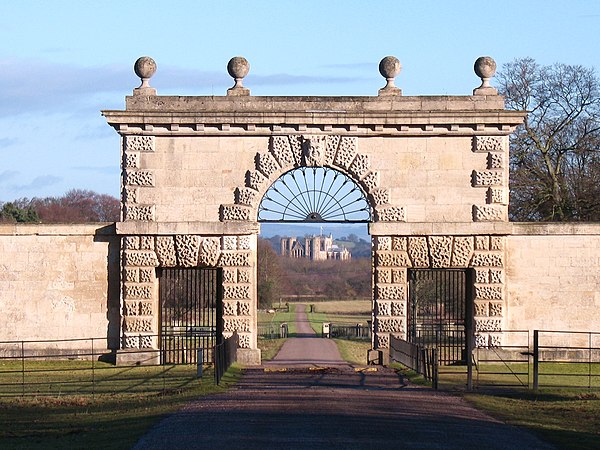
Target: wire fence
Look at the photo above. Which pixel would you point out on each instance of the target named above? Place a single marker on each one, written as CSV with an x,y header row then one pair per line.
x,y
86,367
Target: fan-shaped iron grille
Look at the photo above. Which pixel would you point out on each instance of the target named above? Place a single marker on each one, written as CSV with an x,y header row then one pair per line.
x,y
314,194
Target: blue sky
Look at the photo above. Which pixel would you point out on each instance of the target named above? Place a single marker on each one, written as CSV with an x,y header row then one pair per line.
x,y
61,62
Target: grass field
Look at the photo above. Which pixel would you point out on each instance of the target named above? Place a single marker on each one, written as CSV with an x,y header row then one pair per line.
x,y
103,421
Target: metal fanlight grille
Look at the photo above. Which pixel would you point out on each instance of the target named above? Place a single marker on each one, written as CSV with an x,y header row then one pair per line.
x,y
314,194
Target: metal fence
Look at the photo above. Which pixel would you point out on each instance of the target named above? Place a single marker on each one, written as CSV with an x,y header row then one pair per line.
x,y
421,359
85,367
273,330
342,331
522,359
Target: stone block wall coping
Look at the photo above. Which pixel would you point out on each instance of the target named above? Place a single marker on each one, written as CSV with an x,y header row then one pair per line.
x,y
66,229
556,228
435,229
336,104
199,228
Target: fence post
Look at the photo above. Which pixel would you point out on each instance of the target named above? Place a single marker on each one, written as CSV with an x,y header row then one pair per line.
x,y
469,356
536,359
434,381
23,368
199,361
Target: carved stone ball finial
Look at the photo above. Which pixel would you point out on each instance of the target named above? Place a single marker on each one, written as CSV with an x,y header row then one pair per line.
x,y
485,68
238,67
144,68
390,68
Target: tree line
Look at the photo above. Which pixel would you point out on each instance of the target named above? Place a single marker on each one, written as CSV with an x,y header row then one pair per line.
x,y
76,206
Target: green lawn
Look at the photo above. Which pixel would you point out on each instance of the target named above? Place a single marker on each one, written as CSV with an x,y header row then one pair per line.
x,y
103,420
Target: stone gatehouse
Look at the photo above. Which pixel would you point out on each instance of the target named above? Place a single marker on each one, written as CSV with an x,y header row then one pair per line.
x,y
433,170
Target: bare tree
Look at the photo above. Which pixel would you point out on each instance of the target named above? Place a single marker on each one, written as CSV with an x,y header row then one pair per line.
x,y
555,161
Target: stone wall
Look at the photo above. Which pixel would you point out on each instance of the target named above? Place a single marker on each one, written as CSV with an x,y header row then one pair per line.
x,y
553,276
60,282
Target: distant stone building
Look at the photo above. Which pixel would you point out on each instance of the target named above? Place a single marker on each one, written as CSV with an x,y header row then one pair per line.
x,y
315,248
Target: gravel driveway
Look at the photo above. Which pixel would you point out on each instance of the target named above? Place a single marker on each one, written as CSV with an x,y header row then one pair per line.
x,y
295,402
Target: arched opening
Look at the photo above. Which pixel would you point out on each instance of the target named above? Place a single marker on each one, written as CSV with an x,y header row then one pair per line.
x,y
315,245
314,194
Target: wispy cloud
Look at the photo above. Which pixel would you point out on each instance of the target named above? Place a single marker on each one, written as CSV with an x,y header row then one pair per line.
x,y
37,183
33,86
7,175
7,142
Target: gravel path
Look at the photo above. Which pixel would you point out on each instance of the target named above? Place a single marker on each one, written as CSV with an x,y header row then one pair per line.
x,y
295,403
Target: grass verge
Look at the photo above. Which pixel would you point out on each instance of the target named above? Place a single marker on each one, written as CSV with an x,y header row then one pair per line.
x,y
106,421
355,352
566,419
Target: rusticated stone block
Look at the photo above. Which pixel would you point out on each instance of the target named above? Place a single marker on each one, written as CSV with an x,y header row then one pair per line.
x,y
399,243
146,242
282,151
390,325
229,242
131,275
146,309
360,166
495,340
146,275
487,325
346,152
495,309
380,196
209,252
418,251
398,308
398,276
139,143
231,213
482,144
256,180
132,161
245,196
143,213
371,182
393,259
481,341
165,251
244,309
482,276
382,341
236,292
140,178
229,276
383,308
141,259
244,243
462,251
440,248
384,242
131,308
495,161
390,214
391,292
243,276
490,213
136,325
487,292
229,308
496,276
243,340
482,242
497,243
131,242
146,342
231,324
232,259
384,275
131,341
481,308
267,164
333,143
137,291
487,260
485,178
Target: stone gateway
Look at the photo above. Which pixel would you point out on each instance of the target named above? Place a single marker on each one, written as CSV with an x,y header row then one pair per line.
x,y
433,171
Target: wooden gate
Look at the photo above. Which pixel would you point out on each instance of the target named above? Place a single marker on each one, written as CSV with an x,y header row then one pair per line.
x,y
190,314
440,312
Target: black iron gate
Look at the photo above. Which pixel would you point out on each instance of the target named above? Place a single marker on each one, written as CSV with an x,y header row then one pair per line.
x,y
440,312
190,314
